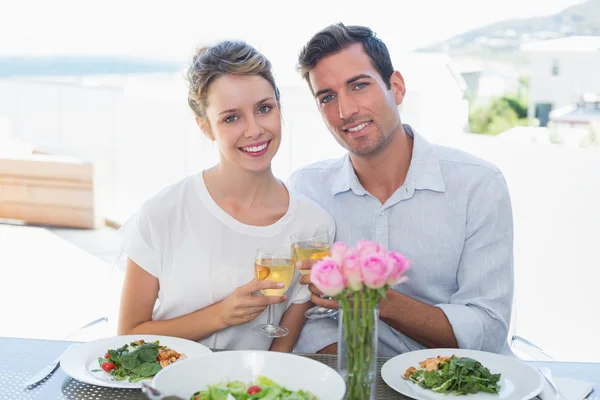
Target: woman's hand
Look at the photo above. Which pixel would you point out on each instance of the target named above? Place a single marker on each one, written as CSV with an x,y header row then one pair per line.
x,y
241,307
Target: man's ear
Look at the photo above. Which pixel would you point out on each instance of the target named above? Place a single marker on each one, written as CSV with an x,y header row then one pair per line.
x,y
204,126
398,87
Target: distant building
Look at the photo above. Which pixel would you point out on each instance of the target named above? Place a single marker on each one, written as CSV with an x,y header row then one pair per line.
x,y
561,70
577,125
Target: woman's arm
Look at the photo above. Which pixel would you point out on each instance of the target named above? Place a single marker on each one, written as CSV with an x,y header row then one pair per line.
x,y
139,293
293,319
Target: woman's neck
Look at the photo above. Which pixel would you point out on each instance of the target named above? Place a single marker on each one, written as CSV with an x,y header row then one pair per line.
x,y
242,187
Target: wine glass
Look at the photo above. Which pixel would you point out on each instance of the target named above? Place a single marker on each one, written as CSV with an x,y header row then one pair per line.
x,y
273,264
312,245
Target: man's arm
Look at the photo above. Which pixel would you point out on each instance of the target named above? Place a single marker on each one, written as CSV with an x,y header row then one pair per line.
x,y
480,310
421,322
424,323
478,314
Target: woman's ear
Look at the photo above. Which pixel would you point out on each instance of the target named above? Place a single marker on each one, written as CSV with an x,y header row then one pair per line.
x,y
204,126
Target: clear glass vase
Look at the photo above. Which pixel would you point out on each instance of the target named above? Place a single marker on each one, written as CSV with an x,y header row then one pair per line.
x,y
357,347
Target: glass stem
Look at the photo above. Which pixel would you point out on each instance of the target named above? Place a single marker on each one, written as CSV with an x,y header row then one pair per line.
x,y
271,314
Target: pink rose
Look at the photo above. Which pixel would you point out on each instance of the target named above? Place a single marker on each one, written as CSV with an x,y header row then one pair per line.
x,y
328,277
338,250
375,270
398,264
368,247
353,270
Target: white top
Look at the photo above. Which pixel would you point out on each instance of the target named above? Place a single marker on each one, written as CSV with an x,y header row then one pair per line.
x,y
200,254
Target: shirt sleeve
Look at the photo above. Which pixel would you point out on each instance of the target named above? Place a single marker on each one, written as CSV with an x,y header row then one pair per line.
x,y
480,310
316,335
141,241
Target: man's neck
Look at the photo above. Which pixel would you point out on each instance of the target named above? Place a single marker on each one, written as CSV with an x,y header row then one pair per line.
x,y
383,173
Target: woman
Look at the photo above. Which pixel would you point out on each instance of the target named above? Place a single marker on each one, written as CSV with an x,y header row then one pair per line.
x,y
193,245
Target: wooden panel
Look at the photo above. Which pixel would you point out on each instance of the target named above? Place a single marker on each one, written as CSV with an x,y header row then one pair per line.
x,y
49,190
47,166
52,194
49,215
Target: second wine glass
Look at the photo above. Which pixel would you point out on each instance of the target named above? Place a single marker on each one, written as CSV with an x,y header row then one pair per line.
x,y
312,245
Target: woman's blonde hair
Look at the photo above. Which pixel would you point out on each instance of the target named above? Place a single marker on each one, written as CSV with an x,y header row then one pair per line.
x,y
227,57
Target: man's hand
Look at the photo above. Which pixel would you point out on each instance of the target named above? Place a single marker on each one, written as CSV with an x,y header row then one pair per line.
x,y
316,293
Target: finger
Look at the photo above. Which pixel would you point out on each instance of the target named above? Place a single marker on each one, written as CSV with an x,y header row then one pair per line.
x,y
314,290
254,286
306,264
305,279
254,310
263,301
333,304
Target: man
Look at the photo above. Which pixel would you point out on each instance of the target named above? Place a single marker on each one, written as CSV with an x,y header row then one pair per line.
x,y
447,211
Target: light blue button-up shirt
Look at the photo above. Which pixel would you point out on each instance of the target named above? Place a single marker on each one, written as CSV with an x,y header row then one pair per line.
x,y
452,218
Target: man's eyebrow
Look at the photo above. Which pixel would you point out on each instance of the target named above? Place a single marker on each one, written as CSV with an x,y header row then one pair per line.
x,y
349,81
357,77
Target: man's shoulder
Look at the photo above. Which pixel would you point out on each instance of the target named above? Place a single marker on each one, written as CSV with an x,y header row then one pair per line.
x,y
330,165
461,160
466,172
323,168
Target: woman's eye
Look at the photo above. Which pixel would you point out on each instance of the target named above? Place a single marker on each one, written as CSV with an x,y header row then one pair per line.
x,y
231,118
264,109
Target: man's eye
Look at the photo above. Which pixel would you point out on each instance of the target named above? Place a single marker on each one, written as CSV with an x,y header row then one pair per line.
x,y
360,85
326,99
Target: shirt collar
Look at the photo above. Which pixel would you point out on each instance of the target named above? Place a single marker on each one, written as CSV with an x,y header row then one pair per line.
x,y
424,172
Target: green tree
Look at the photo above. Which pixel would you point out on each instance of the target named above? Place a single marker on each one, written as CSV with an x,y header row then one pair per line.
x,y
501,113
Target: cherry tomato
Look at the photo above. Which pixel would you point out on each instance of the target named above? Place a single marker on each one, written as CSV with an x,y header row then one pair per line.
x,y
254,389
158,358
107,355
108,366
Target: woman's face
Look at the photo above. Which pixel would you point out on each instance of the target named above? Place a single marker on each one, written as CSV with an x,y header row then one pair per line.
x,y
243,117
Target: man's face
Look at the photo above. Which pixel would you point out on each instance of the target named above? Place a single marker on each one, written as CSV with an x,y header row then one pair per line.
x,y
354,101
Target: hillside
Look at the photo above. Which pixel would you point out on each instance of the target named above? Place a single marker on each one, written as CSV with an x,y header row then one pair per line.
x,y
501,41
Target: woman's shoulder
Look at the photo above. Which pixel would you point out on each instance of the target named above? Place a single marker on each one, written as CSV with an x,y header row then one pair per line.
x,y
169,199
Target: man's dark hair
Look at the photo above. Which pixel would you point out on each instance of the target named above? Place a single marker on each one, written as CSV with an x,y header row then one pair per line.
x,y
337,37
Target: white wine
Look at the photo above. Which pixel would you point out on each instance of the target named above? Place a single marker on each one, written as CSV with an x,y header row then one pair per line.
x,y
313,251
276,270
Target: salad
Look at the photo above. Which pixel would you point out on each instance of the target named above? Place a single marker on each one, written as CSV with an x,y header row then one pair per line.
x,y
454,374
263,388
137,360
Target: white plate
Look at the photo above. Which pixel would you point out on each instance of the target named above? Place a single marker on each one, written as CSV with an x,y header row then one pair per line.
x,y
518,381
79,361
291,371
